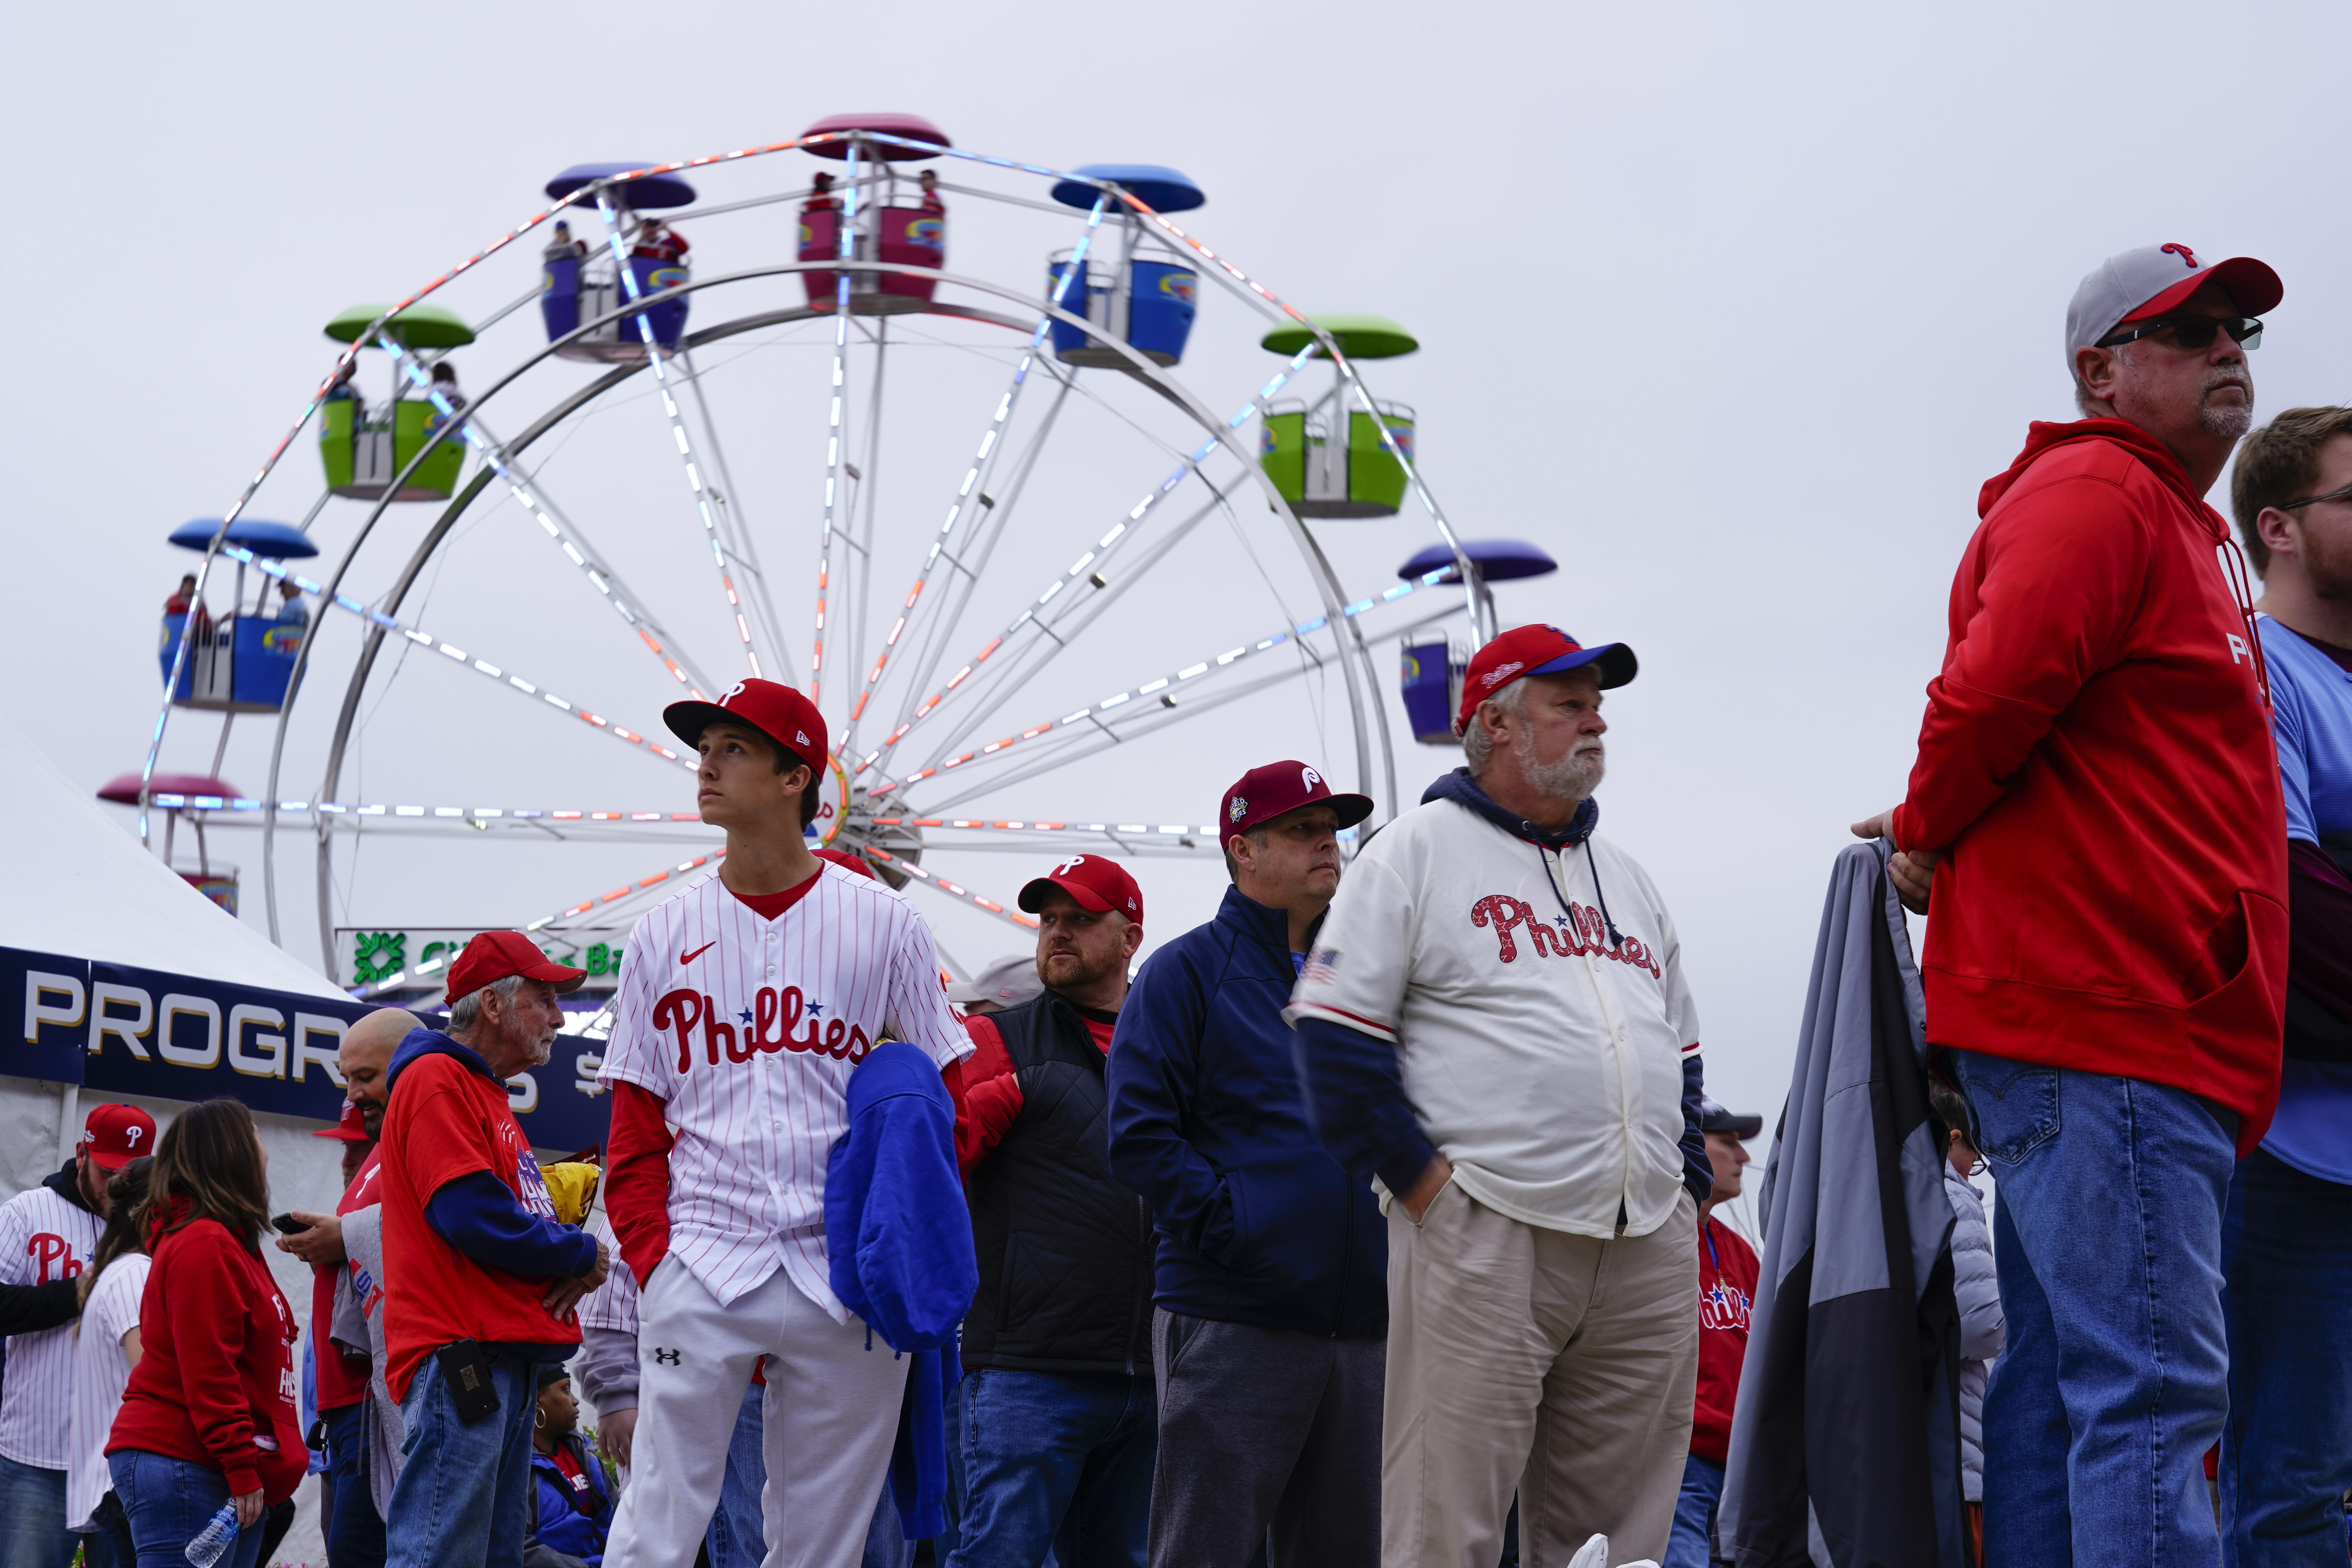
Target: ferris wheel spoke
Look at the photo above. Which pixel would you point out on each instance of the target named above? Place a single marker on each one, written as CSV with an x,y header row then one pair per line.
x,y
954,889
525,488
736,531
1022,837
972,492
833,451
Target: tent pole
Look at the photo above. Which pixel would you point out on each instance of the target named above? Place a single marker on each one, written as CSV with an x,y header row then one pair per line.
x,y
68,1102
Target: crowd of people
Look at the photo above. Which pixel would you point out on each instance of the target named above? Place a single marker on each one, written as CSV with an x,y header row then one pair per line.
x,y
1376,1219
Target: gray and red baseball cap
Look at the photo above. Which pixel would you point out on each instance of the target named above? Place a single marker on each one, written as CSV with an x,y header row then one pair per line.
x,y
115,1134
1264,793
495,954
777,712
2154,280
1540,650
1096,882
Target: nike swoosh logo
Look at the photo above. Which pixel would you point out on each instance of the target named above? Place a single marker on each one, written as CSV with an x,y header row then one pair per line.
x,y
686,958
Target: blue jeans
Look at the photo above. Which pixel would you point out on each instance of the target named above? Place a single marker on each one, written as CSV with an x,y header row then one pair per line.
x,y
33,1532
2107,1243
168,1502
1059,1459
737,1536
356,1533
463,1496
1692,1546
109,1546
2286,1454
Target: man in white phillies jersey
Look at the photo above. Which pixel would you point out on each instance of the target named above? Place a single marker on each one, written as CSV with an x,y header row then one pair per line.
x,y
745,1003
46,1235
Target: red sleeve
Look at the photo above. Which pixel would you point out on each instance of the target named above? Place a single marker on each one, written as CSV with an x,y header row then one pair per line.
x,y
2059,577
210,1319
986,1093
636,1177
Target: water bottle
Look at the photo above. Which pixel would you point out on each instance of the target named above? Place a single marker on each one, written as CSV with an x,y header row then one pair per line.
x,y
212,1543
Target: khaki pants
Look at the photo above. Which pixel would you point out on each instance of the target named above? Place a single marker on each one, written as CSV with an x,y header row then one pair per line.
x,y
1526,1358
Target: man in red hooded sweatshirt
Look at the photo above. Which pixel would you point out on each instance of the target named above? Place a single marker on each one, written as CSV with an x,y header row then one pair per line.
x,y
2095,832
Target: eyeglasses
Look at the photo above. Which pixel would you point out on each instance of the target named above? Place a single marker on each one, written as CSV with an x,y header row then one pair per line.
x,y
2193,332
2344,494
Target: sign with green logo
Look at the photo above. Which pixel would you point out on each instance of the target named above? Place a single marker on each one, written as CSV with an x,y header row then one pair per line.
x,y
368,955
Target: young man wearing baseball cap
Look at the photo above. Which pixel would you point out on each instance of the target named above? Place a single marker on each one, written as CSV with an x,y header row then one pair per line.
x,y
2095,810
1495,1021
46,1238
1058,1395
1726,1292
480,1277
1269,1336
746,1001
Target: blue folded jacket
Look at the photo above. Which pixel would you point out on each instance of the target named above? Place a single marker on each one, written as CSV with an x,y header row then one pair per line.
x,y
899,1238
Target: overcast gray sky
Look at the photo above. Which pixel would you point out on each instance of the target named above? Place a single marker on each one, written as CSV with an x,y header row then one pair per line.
x,y
1731,309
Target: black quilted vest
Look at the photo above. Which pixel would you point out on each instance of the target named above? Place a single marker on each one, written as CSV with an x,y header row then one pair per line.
x,y
1066,1252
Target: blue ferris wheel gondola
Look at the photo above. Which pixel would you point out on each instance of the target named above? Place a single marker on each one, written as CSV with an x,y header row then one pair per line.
x,y
653,190
581,281
271,541
1145,294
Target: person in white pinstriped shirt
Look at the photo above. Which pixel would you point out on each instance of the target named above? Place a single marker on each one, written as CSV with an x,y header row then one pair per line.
x,y
745,1003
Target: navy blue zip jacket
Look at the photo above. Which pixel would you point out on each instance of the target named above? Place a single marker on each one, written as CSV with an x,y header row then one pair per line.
x,y
1257,1224
1357,1087
899,1240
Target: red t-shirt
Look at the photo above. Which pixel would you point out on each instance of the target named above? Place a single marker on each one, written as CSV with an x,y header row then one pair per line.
x,y
445,1121
1726,1289
343,1379
580,1493
986,1090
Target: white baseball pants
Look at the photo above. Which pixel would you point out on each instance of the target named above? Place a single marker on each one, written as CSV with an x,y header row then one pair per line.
x,y
831,1415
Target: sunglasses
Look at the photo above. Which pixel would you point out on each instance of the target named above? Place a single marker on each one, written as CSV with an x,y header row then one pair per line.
x,y
2193,331
2344,494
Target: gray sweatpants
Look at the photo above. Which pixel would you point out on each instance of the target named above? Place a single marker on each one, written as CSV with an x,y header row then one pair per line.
x,y
1265,1429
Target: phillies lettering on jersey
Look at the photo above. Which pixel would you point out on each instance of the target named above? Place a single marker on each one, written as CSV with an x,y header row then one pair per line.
x,y
42,1238
748,1029
1590,932
1723,1305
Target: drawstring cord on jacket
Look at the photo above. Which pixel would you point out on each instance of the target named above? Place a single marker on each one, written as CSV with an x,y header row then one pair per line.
x,y
1599,893
2241,590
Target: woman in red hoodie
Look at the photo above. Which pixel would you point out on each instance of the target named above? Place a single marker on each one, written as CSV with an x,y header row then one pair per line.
x,y
209,1417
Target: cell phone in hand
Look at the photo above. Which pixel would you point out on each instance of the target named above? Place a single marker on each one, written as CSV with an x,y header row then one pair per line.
x,y
286,1224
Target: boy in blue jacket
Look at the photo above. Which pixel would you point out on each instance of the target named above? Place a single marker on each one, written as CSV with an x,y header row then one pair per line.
x,y
1269,1333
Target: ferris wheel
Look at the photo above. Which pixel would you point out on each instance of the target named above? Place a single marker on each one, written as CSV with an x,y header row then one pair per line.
x,y
1037,530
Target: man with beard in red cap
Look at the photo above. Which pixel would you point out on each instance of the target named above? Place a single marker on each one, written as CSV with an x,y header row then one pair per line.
x,y
2095,830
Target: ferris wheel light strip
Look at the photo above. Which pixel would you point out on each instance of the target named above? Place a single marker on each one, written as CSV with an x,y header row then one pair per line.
x,y
519,487
931,879
170,801
1154,687
350,606
846,237
1078,569
988,442
678,430
1136,828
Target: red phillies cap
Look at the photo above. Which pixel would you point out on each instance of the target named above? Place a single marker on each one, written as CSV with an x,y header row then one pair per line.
x,y
495,955
777,712
1264,793
1096,882
117,1134
1536,650
351,1129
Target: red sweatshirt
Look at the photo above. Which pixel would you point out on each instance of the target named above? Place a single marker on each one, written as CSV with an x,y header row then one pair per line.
x,y
2096,763
216,1362
1727,1290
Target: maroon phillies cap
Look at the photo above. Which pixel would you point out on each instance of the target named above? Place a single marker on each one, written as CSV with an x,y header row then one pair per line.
x,y
117,1134
495,955
1536,650
1096,882
351,1129
777,712
1264,793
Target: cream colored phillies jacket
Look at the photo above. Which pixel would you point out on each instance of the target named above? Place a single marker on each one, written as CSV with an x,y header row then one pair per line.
x,y
1542,1056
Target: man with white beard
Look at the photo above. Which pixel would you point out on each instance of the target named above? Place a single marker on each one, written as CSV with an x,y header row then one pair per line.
x,y
1495,1021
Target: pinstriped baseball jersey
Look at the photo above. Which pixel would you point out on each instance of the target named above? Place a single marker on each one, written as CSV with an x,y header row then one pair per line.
x,y
749,1030
42,1238
613,1304
101,1371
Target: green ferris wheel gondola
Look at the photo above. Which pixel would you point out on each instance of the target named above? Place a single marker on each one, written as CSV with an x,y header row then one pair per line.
x,y
1357,476
364,452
